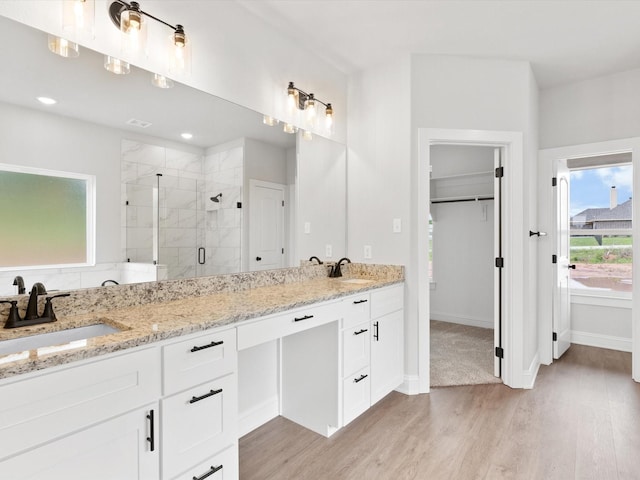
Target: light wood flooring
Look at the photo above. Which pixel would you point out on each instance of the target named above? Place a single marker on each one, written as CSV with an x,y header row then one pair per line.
x,y
581,421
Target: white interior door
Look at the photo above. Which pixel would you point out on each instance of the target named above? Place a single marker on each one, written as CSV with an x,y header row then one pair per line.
x,y
561,298
497,276
266,225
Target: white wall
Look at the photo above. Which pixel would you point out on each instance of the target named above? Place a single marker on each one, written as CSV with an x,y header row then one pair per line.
x,y
599,325
235,55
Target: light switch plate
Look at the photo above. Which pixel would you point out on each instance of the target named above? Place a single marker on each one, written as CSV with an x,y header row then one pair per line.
x,y
367,252
307,227
328,251
397,225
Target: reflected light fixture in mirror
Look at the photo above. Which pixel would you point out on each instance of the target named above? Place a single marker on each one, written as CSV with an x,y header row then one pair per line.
x,y
307,135
269,120
78,16
289,128
115,65
161,81
63,47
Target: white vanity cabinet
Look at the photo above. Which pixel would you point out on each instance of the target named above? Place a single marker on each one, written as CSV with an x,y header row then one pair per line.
x,y
98,419
199,411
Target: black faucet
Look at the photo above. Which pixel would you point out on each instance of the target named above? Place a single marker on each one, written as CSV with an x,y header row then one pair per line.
x,y
31,316
109,281
335,269
19,282
311,259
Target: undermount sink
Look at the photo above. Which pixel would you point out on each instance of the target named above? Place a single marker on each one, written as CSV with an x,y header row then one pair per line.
x,y
359,281
60,340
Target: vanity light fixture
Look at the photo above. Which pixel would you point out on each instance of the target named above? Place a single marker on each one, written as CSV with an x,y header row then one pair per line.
x,y
63,47
115,65
300,100
131,20
161,81
78,15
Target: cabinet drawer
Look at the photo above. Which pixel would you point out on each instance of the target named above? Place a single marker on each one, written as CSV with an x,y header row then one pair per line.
x,y
281,325
198,359
387,300
356,346
356,309
38,409
197,422
222,466
356,395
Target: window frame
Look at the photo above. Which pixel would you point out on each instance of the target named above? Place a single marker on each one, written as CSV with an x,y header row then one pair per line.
x,y
90,233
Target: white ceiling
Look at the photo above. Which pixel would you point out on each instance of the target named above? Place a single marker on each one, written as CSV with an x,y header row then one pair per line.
x,y
565,41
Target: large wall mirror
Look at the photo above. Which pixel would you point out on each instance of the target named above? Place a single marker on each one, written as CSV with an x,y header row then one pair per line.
x,y
165,207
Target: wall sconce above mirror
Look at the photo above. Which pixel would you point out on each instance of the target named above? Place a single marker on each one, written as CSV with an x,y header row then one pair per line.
x,y
307,102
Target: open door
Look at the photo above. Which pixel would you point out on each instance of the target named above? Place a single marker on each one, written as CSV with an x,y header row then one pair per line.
x,y
561,298
266,225
497,276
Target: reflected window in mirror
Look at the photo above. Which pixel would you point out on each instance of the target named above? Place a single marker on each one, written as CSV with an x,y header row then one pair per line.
x,y
48,218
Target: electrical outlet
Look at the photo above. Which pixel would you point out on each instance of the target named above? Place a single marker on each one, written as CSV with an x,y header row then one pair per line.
x,y
307,227
397,225
328,251
367,252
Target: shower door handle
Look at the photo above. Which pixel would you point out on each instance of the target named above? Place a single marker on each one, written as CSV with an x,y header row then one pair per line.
x,y
202,255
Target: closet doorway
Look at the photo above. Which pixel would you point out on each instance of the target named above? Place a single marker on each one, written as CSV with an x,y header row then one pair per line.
x,y
464,283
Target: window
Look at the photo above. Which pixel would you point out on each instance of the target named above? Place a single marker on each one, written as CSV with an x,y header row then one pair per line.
x,y
601,233
47,218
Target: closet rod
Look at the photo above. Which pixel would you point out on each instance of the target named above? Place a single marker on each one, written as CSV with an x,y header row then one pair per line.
x,y
455,200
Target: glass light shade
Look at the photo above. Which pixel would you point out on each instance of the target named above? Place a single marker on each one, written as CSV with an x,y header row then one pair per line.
x,y
307,135
179,52
78,15
289,128
268,120
115,65
63,47
134,30
329,124
161,81
292,99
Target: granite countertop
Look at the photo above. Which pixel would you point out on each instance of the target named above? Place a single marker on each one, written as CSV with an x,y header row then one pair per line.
x,y
145,324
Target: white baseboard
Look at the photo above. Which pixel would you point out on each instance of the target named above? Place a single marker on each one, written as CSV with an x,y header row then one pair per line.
x,y
410,386
471,322
601,341
529,375
257,416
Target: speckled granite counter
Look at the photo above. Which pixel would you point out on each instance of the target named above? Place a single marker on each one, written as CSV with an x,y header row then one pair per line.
x,y
148,313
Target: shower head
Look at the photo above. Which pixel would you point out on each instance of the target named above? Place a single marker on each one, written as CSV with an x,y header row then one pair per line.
x,y
216,199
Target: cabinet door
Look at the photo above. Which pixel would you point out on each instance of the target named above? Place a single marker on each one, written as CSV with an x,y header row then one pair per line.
x,y
355,348
198,422
387,364
222,466
120,448
356,395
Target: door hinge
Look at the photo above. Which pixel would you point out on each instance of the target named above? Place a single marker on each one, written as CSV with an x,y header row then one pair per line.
x,y
283,203
555,337
239,204
499,172
283,251
499,352
499,262
554,182
554,258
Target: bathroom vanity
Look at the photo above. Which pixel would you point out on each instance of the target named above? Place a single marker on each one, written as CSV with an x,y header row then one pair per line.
x,y
159,399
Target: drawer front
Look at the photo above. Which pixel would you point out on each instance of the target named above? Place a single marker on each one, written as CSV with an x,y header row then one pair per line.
x,y
356,395
281,325
356,309
222,466
198,359
197,422
356,345
40,408
387,300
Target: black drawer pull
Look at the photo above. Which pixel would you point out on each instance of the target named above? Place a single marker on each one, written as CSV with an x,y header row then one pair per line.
x,y
212,344
151,438
360,378
375,335
360,331
360,301
206,395
211,471
306,317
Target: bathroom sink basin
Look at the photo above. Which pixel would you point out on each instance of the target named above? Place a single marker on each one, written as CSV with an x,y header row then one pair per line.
x,y
64,338
359,281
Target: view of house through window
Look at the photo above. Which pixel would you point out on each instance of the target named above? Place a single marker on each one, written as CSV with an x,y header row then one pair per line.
x,y
601,235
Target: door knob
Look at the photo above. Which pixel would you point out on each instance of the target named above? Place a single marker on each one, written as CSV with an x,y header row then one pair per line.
x,y
258,259
572,266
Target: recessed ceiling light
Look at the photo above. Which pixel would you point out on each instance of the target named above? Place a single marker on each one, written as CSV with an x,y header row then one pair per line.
x,y
47,100
187,136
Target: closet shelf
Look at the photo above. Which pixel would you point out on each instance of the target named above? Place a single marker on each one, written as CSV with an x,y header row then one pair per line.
x,y
462,175
465,198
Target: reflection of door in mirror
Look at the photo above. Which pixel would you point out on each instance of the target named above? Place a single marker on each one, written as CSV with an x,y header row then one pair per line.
x,y
267,216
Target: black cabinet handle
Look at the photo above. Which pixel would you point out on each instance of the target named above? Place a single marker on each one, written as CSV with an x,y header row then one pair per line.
x,y
360,331
258,259
375,331
360,378
202,347
202,256
211,471
299,319
151,438
360,301
206,395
